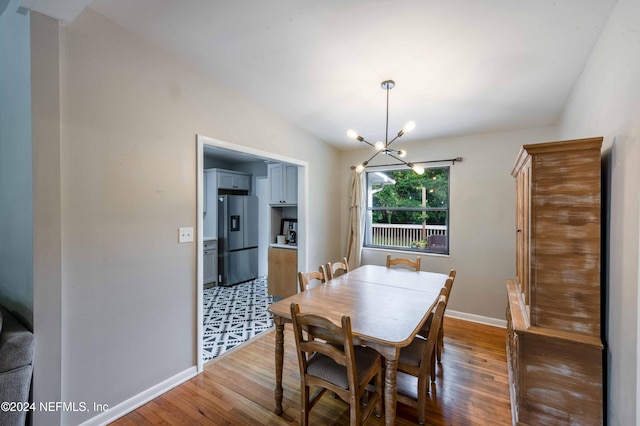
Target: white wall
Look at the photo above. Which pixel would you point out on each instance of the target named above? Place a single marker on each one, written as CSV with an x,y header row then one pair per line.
x,y
129,116
606,102
482,214
47,222
16,228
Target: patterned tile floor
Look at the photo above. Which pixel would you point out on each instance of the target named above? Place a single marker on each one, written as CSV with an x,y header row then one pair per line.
x,y
233,315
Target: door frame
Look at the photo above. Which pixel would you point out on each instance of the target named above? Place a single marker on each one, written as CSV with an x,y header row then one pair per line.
x,y
263,182
303,210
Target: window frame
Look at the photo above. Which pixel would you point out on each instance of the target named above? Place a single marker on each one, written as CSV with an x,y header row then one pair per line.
x,y
368,233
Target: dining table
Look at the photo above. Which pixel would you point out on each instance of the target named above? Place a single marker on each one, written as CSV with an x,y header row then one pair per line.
x,y
387,306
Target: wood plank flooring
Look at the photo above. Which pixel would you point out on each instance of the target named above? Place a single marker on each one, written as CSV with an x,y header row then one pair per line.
x,y
237,388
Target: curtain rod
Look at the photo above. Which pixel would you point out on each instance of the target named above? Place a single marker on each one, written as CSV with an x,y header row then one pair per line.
x,y
452,160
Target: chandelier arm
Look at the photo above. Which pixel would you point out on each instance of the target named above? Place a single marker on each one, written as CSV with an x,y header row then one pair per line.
x,y
368,143
393,140
373,156
399,159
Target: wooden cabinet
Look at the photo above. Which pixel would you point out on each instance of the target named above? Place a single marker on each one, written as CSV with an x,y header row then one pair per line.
x,y
554,347
283,184
283,267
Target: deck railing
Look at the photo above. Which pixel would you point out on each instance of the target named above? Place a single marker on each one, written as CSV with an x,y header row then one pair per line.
x,y
395,235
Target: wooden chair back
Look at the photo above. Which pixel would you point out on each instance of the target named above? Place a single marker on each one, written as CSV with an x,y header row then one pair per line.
x,y
440,345
401,261
337,268
426,364
317,337
305,278
450,280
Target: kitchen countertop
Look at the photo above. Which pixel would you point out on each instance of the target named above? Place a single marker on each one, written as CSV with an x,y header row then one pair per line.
x,y
284,246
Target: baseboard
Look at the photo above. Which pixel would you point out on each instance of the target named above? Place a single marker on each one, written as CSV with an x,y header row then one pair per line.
x,y
477,318
117,411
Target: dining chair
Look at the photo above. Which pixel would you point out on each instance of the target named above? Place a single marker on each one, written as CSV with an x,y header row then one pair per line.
x,y
340,267
417,360
425,330
401,261
328,360
440,344
305,278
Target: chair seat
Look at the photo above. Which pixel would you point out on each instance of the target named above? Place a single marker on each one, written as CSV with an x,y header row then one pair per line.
x,y
412,354
325,368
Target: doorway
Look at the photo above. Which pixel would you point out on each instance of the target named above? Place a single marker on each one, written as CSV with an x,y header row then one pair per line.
x,y
228,152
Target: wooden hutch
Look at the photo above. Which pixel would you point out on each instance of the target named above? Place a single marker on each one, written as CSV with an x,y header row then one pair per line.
x,y
554,347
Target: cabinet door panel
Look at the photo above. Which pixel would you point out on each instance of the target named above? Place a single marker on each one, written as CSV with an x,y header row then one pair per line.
x,y
225,180
290,182
242,182
275,184
282,272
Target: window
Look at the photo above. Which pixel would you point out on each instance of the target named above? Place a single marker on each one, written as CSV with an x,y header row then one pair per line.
x,y
408,211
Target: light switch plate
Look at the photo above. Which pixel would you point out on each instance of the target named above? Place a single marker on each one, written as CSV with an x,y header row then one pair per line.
x,y
185,235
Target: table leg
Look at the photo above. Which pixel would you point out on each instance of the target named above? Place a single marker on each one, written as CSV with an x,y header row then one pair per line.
x,y
390,391
279,363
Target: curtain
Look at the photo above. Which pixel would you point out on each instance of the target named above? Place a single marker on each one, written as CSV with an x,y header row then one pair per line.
x,y
356,220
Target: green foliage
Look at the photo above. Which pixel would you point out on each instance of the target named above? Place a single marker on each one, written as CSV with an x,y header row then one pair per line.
x,y
413,198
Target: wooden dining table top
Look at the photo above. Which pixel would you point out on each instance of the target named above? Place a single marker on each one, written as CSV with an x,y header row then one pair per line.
x,y
386,305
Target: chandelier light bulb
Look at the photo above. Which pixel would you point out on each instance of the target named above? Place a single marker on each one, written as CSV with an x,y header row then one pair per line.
x,y
380,146
409,126
352,134
360,168
418,169
402,153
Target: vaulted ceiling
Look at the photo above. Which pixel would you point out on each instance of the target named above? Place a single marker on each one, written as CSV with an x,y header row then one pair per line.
x,y
460,66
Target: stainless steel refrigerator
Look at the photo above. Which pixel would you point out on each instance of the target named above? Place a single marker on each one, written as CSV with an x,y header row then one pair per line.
x,y
237,239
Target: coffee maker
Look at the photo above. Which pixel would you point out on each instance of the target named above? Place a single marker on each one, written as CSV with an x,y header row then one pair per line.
x,y
293,233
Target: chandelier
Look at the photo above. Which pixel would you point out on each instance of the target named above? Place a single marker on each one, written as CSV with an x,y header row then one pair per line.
x,y
383,147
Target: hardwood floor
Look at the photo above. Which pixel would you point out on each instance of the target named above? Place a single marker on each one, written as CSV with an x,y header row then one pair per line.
x,y
237,388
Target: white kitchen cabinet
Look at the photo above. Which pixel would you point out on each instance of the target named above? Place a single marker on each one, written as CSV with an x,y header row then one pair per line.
x,y
204,193
210,203
234,180
210,262
283,184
